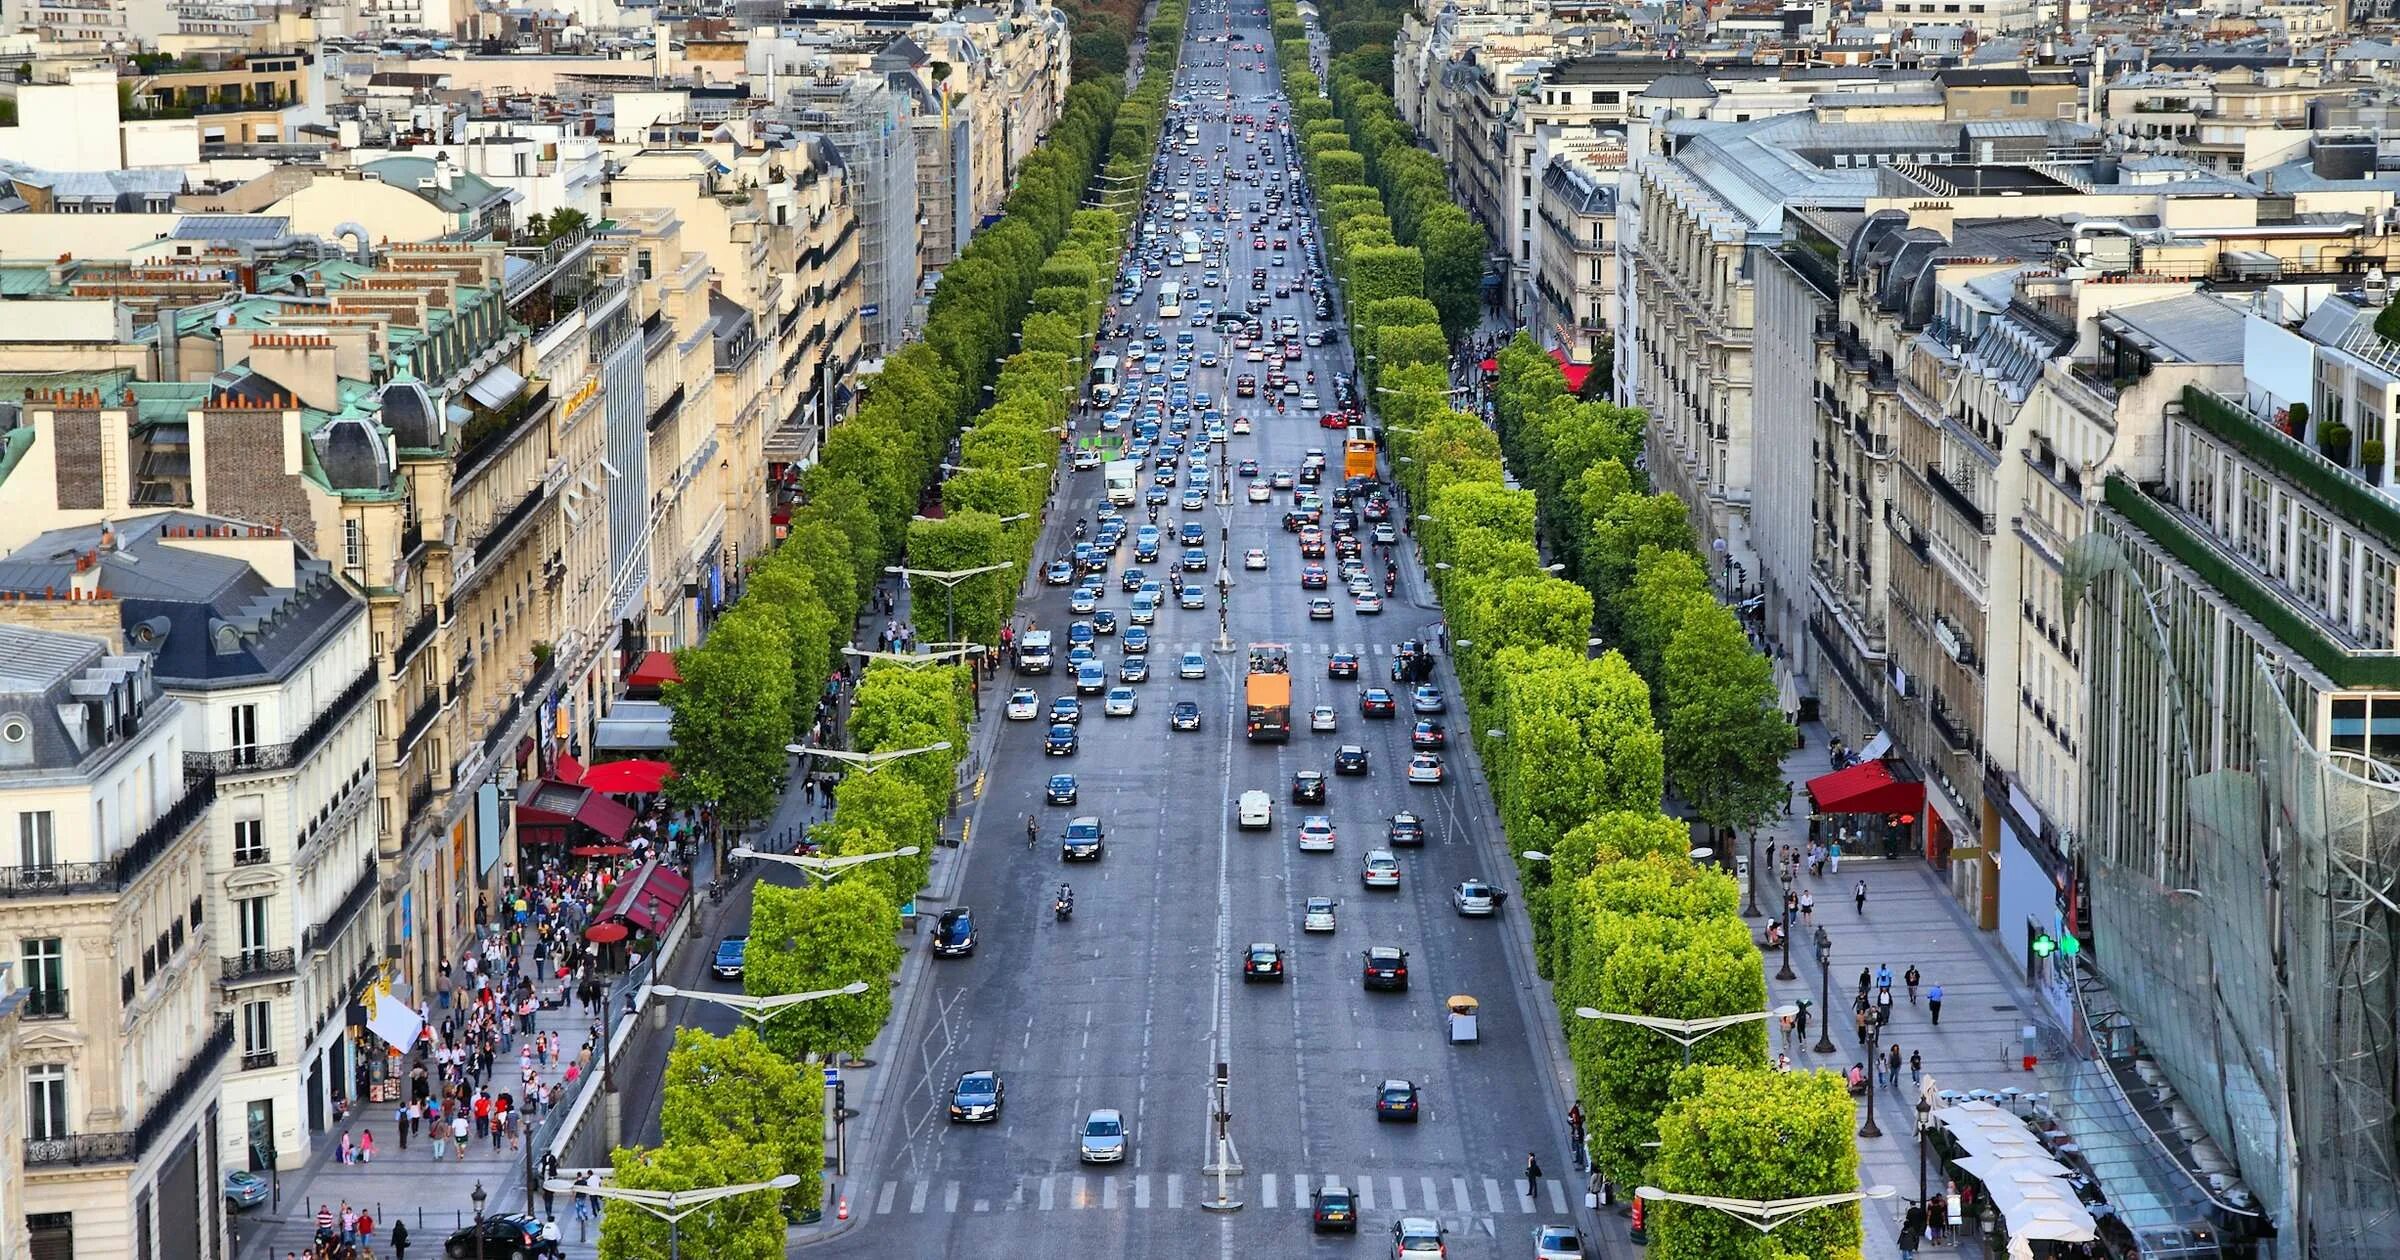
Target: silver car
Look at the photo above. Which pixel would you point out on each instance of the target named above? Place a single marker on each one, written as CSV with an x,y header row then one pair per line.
x,y
1557,1242
1103,1140
1474,898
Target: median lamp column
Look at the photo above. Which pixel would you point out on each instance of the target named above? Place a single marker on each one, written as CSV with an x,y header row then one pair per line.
x,y
1687,1032
1825,986
1924,1136
670,1206
1763,1215
1874,1040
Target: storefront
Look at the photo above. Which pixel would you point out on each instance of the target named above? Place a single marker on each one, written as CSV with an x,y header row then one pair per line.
x,y
1879,810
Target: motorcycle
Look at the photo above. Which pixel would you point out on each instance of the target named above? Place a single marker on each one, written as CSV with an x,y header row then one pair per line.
x,y
1063,905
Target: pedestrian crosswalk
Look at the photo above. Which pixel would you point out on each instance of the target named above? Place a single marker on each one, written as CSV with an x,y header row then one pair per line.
x,y
1445,1194
1308,649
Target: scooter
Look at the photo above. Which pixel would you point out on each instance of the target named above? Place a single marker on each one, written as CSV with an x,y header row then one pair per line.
x,y
1063,907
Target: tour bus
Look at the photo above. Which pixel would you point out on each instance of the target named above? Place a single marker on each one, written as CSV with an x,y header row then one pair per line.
x,y
1123,479
1358,453
1191,247
1267,693
1104,379
1170,300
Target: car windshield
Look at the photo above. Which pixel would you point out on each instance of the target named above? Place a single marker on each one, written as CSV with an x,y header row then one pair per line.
x,y
1083,831
1420,1242
1103,1127
1395,1093
975,1086
1560,1239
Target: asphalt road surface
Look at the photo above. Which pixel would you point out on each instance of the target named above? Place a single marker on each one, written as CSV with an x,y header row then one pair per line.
x,y
1130,1003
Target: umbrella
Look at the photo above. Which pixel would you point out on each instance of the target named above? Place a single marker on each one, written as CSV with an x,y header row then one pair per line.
x,y
639,775
607,933
599,850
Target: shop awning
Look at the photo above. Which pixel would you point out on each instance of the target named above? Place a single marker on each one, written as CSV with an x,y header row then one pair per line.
x,y
655,669
1489,365
648,898
497,388
1866,788
1576,373
567,770
2031,1189
543,815
636,726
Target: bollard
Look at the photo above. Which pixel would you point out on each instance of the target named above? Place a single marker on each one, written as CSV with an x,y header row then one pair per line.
x,y
841,1210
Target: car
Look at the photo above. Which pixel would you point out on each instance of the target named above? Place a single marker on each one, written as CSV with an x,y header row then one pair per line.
x,y
1283,478
1366,603
1185,716
1342,665
1396,1099
1133,669
1386,968
1417,1237
1316,914
1385,535
507,1236
1090,679
1104,621
727,965
1024,705
1557,1242
1381,869
1241,426
1194,560
977,1098
1143,612
1259,492
1061,790
1308,787
1316,834
1425,768
246,1189
1120,702
1320,609
1060,742
1103,1140
1193,665
1475,898
1246,468
1085,840
1309,401
1427,698
1312,577
1262,961
1428,735
1136,640
1066,709
1376,702
1331,1208
1323,718
1194,596
1058,573
1254,811
954,933
1133,578
1350,759
1255,558
1083,601
1405,828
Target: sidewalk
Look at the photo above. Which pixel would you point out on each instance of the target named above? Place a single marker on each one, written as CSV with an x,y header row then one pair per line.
x,y
1910,918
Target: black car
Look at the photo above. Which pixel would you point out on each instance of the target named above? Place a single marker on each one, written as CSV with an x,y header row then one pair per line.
x,y
1084,842
1185,716
1428,735
954,933
1342,665
1061,790
1060,742
1386,968
1350,759
1374,702
1333,1207
1396,1099
508,1236
1308,787
977,1098
1406,828
1262,961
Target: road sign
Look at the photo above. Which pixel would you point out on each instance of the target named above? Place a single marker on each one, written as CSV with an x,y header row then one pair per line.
x,y
833,1076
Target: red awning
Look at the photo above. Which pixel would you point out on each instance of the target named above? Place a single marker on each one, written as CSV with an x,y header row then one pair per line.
x,y
655,669
639,775
648,899
1866,788
567,770
1576,373
1490,365
542,816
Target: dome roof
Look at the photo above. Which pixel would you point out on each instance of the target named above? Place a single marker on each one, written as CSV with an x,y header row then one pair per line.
x,y
409,412
352,454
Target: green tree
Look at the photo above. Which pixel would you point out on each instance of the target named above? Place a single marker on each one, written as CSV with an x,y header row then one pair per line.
x,y
733,714
1749,1133
810,940
737,1089
1725,739
1667,586
955,544
745,1227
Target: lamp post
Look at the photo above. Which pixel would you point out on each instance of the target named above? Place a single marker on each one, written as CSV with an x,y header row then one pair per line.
x,y
670,1206
1751,910
1924,1135
1687,1032
1763,1215
1825,986
864,763
824,870
478,1196
914,659
1874,1039
1787,973
949,580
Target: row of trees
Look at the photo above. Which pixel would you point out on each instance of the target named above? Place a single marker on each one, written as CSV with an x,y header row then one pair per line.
x,y
744,1109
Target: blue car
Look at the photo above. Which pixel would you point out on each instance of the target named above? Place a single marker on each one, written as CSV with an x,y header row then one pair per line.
x,y
1061,790
1060,742
728,962
246,1189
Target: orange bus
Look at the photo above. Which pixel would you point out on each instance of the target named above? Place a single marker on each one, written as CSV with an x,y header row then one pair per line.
x,y
1358,453
1267,693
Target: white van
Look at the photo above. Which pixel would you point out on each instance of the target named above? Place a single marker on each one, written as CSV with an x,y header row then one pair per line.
x,y
1256,811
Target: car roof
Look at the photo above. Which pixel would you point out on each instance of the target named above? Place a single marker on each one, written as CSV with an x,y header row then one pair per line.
x,y
1391,1081
1385,951
1105,1113
1256,946
979,1074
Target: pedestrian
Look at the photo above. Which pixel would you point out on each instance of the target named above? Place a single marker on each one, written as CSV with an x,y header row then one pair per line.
x,y
400,1123
1883,1007
1833,855
1533,1174
1859,895
549,1174
366,1146
551,1233
399,1240
349,1224
1916,1068
1786,1022
1933,1003
324,1223
1800,1023
1808,906
1891,1065
1860,1018
460,1130
366,1229
1910,977
441,1141
1866,976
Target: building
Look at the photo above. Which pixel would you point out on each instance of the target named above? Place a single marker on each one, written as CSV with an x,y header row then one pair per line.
x,y
118,1045
1576,276
868,125
271,659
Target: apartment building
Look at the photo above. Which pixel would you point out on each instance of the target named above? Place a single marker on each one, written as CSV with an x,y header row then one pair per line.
x,y
271,658
117,1044
1576,276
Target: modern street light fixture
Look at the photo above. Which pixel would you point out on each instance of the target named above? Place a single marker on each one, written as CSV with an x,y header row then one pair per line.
x,y
864,763
1005,520
825,870
758,1010
670,1206
1688,1032
914,659
1763,1215
949,580
975,468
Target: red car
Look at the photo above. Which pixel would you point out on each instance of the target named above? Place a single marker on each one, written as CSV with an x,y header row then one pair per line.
x,y
1342,665
1332,420
1312,578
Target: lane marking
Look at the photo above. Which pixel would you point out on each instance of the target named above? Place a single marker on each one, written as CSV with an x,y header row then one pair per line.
x,y
916,1197
883,1202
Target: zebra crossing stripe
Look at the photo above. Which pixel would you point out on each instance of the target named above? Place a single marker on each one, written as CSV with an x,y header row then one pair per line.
x,y
883,1201
1141,1191
916,1197
1466,1201
1491,1194
1558,1195
1266,1188
950,1196
1366,1194
1433,1197
1081,1198
1046,1193
1174,1190
1108,1194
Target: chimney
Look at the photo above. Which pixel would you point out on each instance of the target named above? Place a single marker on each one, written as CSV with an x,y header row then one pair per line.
x,y
170,349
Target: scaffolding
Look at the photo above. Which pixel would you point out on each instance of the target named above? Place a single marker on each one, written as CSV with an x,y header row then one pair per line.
x,y
868,124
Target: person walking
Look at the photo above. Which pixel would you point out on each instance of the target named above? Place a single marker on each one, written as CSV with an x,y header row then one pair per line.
x,y
1910,977
1533,1174
549,1174
1933,1003
1800,1024
1859,895
346,1149
460,1131
399,1240
400,1122
1833,857
366,1146
366,1230
1808,907
1916,1068
1891,1063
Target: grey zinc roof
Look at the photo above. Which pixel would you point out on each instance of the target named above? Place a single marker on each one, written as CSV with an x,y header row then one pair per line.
x,y
33,661
2191,328
231,227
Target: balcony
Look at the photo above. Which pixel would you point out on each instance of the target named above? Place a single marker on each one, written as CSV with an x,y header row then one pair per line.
x,y
257,964
1953,735
319,935
256,855
418,634
495,538
198,1074
59,879
258,1060
1982,520
44,1004
420,796
420,721
79,1150
489,433
199,792
268,758
665,410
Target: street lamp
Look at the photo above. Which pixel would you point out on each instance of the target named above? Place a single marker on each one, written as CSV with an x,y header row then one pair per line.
x,y
1687,1032
914,659
1924,1135
864,763
949,580
825,870
1005,520
758,1010
1763,1215
477,1197
975,468
1874,1041
1825,985
670,1206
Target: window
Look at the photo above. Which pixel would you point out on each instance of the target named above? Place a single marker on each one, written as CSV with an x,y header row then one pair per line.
x,y
2020,97
249,841
354,543
244,733
250,919
37,839
258,1027
45,975
46,1102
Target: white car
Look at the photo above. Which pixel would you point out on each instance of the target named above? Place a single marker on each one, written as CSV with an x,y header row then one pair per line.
x,y
1323,718
1241,426
1316,834
1309,401
1260,493
1381,869
1193,665
1317,915
1255,558
1475,899
1024,705
1103,1139
1425,768
1255,810
1120,702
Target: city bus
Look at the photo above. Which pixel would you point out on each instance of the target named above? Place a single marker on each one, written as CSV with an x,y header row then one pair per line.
x,y
1358,453
1104,379
1267,693
1170,300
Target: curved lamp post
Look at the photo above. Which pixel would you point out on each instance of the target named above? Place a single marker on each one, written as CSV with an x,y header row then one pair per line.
x,y
1763,1215
670,1206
